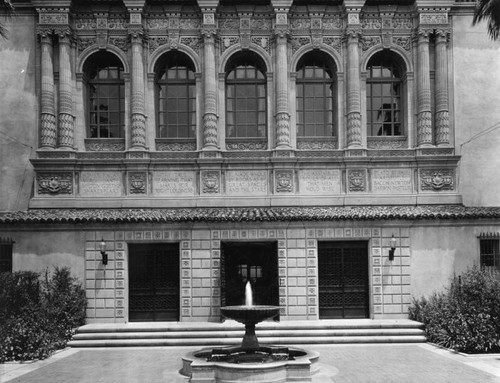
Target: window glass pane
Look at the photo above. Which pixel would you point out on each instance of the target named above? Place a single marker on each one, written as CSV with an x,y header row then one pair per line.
x,y
261,91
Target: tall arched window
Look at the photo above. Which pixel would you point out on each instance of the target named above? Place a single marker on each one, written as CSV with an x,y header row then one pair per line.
x,y
384,92
316,91
105,87
246,94
176,96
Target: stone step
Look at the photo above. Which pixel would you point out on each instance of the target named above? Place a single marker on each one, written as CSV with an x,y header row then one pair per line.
x,y
229,333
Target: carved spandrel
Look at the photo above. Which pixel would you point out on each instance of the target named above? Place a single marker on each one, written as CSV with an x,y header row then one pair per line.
x,y
391,181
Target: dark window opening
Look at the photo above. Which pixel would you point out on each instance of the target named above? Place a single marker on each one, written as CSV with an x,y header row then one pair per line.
x,y
6,245
105,95
489,253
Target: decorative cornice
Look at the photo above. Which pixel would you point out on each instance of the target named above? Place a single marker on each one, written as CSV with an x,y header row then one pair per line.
x,y
221,215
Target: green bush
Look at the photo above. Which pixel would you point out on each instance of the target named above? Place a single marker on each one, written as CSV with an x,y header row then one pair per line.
x,y
466,316
38,315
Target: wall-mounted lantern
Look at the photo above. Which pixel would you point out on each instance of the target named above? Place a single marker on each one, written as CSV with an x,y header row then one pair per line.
x,y
392,249
104,255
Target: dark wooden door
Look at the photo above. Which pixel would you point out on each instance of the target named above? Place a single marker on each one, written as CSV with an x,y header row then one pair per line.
x,y
154,282
343,279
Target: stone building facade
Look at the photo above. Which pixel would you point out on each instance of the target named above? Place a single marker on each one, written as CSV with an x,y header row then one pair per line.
x,y
314,148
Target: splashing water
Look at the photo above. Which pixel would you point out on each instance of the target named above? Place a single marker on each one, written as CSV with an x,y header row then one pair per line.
x,y
248,294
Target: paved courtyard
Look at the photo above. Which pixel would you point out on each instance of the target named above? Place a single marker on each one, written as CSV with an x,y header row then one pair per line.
x,y
408,363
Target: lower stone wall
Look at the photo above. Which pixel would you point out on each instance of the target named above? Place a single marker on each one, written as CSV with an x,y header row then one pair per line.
x,y
200,262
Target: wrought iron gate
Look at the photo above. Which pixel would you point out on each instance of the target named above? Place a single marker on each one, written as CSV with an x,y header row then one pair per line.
x,y
154,282
257,261
343,279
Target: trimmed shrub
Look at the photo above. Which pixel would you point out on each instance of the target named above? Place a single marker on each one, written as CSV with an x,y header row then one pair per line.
x,y
38,315
466,316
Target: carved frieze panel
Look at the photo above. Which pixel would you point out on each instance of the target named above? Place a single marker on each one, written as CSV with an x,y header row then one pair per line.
x,y
189,23
437,179
157,23
137,182
210,182
300,23
386,142
261,24
283,180
229,24
118,22
356,180
246,145
55,183
312,144
434,18
403,22
156,42
54,154
175,146
371,22
120,42
86,23
332,23
104,145
53,18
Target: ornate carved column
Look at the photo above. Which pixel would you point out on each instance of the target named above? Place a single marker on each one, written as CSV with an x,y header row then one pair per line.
x,y
66,116
353,90
138,123
424,116
442,118
210,131
48,129
282,114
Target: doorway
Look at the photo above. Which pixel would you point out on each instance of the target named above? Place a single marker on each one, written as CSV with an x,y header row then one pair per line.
x,y
343,279
153,282
256,262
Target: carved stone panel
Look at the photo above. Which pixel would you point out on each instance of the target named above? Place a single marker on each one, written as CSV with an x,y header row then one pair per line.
x,y
319,181
101,184
210,182
137,182
283,181
174,183
247,182
437,179
391,181
356,180
54,183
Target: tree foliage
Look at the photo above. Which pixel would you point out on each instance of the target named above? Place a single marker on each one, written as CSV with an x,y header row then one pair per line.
x,y
7,9
488,10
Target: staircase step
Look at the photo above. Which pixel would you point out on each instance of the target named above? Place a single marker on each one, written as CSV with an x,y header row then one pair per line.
x,y
230,333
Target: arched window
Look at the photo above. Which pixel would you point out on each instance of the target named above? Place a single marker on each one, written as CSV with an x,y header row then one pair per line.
x,y
105,87
384,94
176,96
316,91
246,94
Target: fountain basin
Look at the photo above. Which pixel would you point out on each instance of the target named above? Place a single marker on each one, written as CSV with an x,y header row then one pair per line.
x,y
300,368
250,314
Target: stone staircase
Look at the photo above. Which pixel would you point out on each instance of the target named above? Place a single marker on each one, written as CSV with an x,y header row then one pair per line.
x,y
229,333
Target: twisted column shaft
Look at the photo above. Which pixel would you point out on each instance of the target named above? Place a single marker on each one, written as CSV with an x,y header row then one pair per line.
x,y
210,133
424,117
138,125
48,129
353,91
66,117
442,118
282,115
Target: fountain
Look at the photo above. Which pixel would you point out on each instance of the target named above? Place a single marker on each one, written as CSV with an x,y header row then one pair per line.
x,y
250,360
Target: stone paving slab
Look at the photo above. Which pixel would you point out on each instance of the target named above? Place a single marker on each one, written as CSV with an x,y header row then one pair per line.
x,y
396,363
